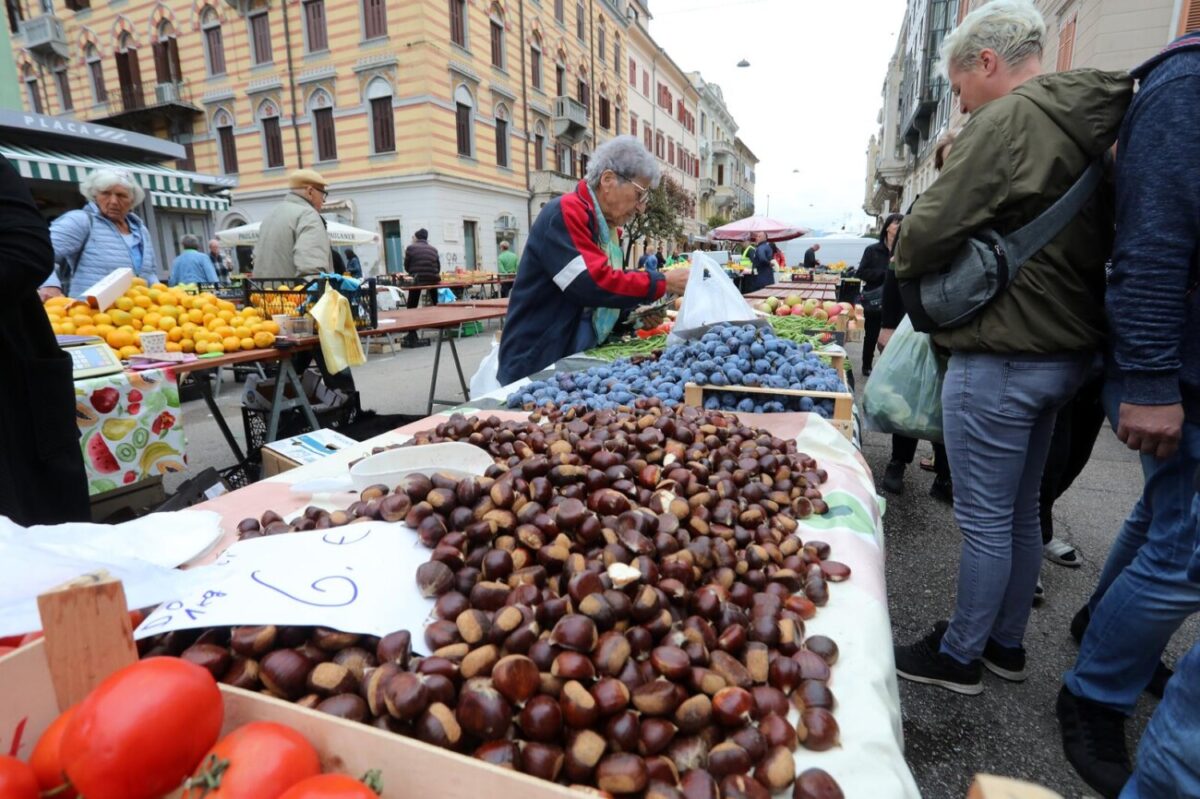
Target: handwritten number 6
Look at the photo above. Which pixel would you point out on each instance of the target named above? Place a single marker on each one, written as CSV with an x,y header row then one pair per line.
x,y
316,586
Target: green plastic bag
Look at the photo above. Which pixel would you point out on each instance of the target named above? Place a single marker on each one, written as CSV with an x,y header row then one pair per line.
x,y
904,393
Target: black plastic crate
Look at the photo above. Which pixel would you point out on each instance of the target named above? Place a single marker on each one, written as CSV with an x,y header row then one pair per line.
x,y
295,298
293,422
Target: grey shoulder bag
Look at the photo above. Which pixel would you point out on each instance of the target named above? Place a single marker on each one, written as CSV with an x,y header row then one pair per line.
x,y
989,262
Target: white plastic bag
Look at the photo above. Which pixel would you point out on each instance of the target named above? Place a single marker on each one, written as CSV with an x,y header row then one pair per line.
x,y
485,379
904,394
711,298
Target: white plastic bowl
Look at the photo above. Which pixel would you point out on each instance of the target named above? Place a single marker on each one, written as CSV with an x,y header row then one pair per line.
x,y
453,458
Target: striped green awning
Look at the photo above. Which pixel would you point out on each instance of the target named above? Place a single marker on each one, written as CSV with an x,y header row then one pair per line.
x,y
193,202
37,164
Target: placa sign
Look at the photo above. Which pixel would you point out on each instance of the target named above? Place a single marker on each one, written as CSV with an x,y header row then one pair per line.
x,y
360,578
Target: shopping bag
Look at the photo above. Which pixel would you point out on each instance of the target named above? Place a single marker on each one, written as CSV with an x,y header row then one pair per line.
x,y
711,298
336,331
445,295
486,380
904,394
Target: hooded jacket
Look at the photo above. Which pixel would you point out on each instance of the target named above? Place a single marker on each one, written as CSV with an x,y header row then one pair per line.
x,y
292,242
1014,158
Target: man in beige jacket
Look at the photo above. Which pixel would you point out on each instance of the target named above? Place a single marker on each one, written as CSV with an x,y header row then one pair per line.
x,y
292,241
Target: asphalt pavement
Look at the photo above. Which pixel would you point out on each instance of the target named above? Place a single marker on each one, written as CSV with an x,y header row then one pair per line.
x,y
1010,729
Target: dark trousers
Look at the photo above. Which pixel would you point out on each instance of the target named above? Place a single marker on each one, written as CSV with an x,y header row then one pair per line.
x,y
342,381
871,338
414,299
505,289
1075,432
904,449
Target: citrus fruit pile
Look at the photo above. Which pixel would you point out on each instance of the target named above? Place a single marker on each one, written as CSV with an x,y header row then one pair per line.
x,y
199,323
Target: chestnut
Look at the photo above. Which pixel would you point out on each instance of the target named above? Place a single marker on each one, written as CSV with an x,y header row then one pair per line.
x,y
733,706
655,736
699,784
434,578
541,719
671,662
482,711
357,660
656,698
823,647
818,729
395,648
582,755
813,693
751,739
728,758
516,678
505,754
694,714
739,786
622,773
541,760
438,726
579,709
479,662
253,642
575,632
351,707
623,731
815,783
210,657
330,679
242,673
768,700
284,673
611,695
406,696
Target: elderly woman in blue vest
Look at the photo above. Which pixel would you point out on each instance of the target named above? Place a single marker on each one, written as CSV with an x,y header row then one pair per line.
x,y
103,236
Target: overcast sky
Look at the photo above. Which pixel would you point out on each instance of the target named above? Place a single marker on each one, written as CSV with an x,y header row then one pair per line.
x,y
810,98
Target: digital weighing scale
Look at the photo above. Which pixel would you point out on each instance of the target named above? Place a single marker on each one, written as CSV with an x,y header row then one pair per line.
x,y
90,356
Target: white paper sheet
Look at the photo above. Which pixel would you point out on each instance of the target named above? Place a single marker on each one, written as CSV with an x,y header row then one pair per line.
x,y
358,578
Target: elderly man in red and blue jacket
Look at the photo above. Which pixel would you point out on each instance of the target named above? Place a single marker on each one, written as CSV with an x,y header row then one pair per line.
x,y
572,274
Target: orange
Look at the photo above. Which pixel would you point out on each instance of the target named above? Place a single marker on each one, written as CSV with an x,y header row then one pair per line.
x,y
142,301
86,330
102,319
139,281
231,343
104,330
175,334
247,343
169,310
201,347
67,328
54,317
263,339
225,331
242,331
120,317
151,319
226,305
118,339
187,345
270,327
136,324
159,286
216,346
166,323
173,346
138,312
125,303
57,328
225,314
129,352
195,315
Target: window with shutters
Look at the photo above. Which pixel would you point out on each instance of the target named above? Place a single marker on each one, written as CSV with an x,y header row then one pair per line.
x,y
539,146
260,37
602,42
383,122
464,116
648,136
671,152
315,33
1066,44
166,56
581,94
560,80
633,128
268,116
560,14
660,146
501,136
632,72
374,19
1189,17
320,107
580,22
129,74
33,91
223,122
560,161
214,44
497,27
605,113
535,62
63,81
458,22
584,157
646,84
15,15
96,73
617,57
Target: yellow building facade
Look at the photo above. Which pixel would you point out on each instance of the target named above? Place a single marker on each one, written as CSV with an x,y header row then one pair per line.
x,y
462,117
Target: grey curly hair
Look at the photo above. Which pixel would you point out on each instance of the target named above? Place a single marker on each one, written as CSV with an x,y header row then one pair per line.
x,y
103,179
625,156
1014,29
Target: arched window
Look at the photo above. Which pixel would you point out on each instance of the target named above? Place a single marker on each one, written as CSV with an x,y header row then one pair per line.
x,y
580,21
496,24
464,118
320,109
129,73
502,120
585,155
617,55
535,62
539,146
32,91
268,119
62,80
602,41
96,73
226,144
166,55
605,108
214,44
560,75
383,124
583,92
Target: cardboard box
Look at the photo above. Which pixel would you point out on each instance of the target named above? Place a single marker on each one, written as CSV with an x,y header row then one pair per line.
x,y
288,453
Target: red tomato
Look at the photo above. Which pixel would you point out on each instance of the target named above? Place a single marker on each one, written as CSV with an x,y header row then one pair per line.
x,y
47,757
143,730
258,761
17,780
330,786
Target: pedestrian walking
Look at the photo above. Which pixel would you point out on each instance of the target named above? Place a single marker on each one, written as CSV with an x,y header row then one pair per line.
x,y
507,267
292,240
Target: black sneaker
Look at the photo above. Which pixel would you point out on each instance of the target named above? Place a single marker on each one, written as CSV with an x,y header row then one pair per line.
x,y
893,477
1003,661
1039,594
1162,673
1094,743
942,490
924,663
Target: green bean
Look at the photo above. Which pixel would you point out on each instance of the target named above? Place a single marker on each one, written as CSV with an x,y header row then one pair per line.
x,y
628,347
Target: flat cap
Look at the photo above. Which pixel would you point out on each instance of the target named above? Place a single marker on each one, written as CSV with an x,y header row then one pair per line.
x,y
306,177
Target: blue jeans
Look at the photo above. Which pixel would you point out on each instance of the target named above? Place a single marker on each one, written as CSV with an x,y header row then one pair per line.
x,y
998,413
1167,766
1144,592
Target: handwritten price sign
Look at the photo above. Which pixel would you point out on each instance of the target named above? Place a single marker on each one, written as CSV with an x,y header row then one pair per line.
x,y
359,579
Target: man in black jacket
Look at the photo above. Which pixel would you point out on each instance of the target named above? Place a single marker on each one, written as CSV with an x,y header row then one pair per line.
x,y
42,480
421,260
810,257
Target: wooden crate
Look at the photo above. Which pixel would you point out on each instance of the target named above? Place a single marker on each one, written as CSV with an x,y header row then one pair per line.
x,y
843,401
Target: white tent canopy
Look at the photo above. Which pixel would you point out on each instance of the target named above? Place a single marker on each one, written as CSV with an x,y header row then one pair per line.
x,y
339,235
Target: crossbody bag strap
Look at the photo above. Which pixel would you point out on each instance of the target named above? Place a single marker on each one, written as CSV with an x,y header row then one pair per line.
x,y
1029,240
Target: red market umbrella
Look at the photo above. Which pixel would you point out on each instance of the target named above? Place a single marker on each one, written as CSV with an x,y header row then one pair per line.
x,y
743,229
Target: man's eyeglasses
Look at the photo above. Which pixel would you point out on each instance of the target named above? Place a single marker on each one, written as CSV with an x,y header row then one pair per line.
x,y
643,191
324,193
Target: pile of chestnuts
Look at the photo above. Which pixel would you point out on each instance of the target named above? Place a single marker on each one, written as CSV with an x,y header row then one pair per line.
x,y
620,603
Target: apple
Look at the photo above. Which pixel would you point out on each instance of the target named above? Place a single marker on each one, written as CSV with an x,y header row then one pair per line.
x,y
783,310
820,314
793,300
836,310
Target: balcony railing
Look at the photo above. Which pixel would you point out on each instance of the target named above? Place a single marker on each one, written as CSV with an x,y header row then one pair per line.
x,y
144,96
570,119
722,148
707,186
45,36
549,181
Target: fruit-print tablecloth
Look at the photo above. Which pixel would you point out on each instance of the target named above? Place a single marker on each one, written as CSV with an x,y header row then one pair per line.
x,y
131,428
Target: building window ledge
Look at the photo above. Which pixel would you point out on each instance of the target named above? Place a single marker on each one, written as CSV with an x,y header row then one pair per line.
x,y
379,158
326,164
274,170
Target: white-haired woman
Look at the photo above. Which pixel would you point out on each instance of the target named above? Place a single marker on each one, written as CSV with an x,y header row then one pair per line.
x,y
572,268
104,235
